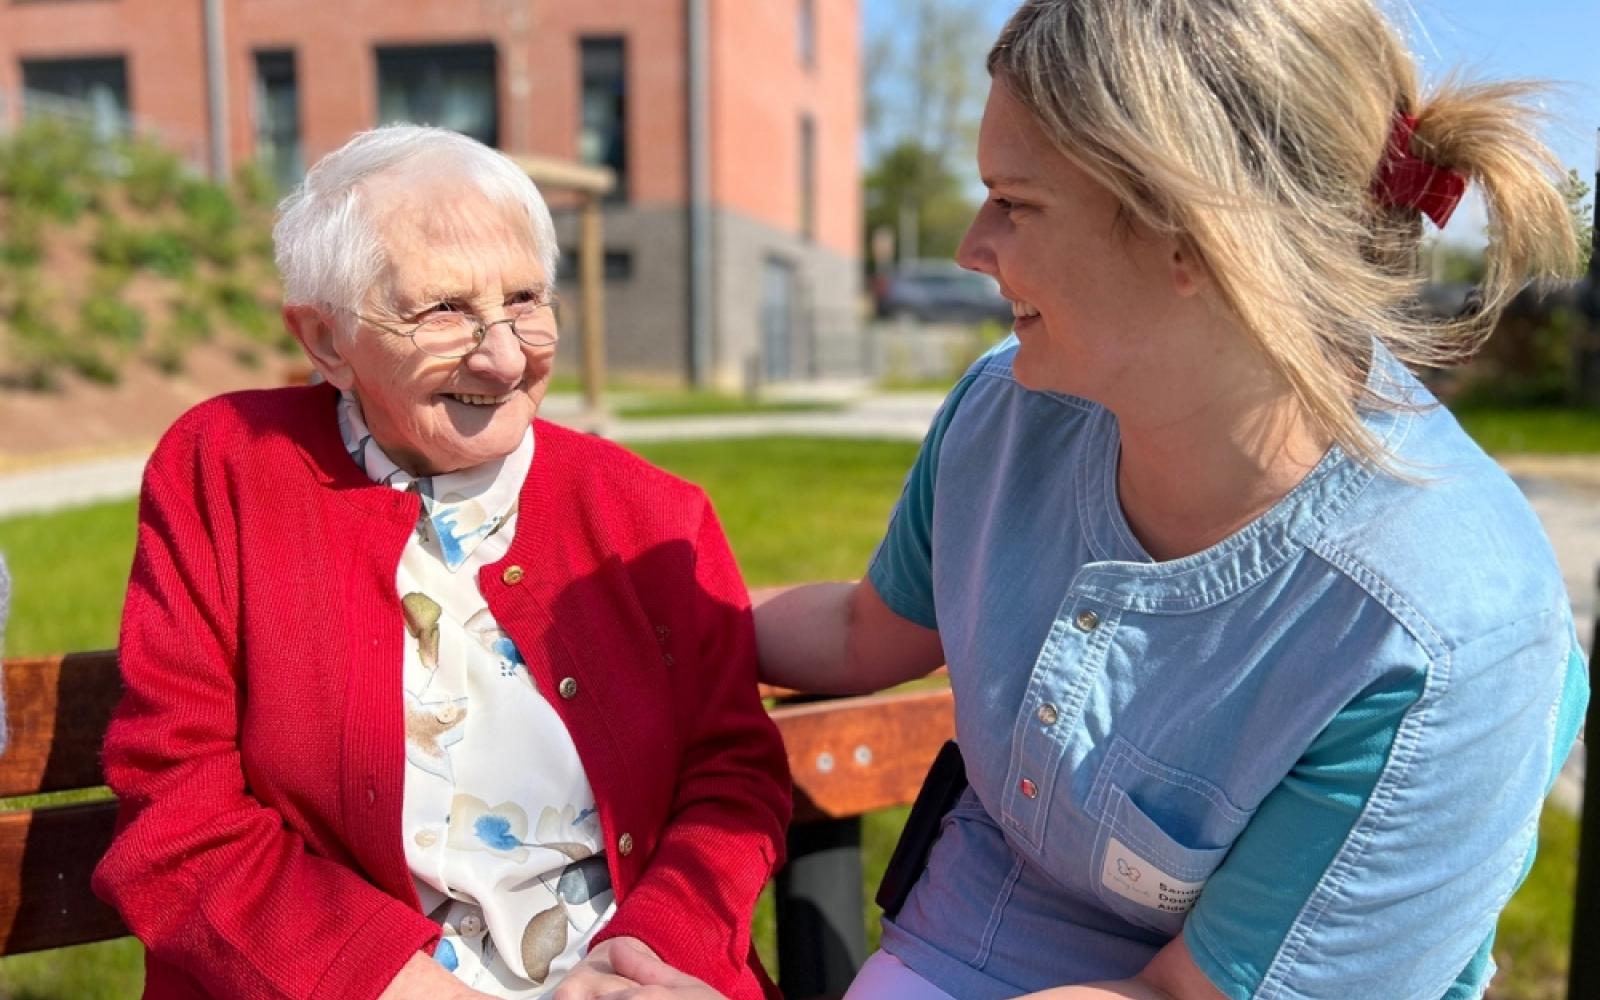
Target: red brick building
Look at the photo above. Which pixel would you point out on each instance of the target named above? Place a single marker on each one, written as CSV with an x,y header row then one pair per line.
x,y
732,242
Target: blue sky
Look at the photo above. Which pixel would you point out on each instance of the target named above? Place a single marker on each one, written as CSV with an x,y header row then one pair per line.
x,y
1555,40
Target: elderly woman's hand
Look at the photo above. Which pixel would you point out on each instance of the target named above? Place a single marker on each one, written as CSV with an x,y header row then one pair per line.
x,y
422,978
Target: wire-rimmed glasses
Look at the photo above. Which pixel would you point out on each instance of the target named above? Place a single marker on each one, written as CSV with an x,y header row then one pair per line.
x,y
458,334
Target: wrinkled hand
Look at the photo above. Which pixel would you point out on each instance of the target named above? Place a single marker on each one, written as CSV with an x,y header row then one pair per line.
x,y
596,976
422,978
656,979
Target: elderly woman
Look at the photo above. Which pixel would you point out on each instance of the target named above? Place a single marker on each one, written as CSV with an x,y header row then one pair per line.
x,y
426,699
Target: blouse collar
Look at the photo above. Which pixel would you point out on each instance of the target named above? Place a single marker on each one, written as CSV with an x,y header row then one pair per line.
x,y
459,509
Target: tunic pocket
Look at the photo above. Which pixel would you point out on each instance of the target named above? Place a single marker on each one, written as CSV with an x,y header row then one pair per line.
x,y
1162,832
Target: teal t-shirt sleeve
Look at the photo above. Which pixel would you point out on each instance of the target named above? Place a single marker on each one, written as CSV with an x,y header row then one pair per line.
x,y
901,570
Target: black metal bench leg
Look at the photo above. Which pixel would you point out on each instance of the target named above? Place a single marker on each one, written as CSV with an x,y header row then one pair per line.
x,y
822,934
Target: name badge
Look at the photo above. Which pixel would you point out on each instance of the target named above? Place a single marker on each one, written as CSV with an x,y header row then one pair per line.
x,y
1140,881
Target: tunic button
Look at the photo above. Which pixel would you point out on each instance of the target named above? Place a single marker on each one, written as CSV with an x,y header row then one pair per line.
x,y
512,576
625,844
1048,714
1029,789
426,838
447,713
1087,620
568,688
470,925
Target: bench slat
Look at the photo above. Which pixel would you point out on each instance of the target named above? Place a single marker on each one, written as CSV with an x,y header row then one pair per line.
x,y
45,860
57,709
848,756
856,755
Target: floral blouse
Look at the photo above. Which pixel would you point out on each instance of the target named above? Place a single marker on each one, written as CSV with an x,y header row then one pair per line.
x,y
500,828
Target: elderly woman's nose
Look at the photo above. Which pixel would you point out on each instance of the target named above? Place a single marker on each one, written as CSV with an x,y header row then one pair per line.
x,y
500,356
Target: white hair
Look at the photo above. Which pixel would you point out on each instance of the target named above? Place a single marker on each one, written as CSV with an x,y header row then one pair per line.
x,y
327,248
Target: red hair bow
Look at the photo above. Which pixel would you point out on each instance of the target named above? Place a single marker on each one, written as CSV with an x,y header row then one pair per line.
x,y
1406,180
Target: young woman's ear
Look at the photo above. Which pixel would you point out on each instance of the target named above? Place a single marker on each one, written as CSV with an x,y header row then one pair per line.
x,y
1187,275
318,335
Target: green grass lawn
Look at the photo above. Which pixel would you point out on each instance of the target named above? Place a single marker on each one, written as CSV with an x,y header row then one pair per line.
x,y
1545,431
794,509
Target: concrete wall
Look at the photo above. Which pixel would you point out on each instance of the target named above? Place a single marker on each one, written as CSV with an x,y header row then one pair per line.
x,y
826,286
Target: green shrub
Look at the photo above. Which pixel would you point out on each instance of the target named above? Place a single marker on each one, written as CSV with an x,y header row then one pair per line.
x,y
255,185
91,364
211,219
49,165
153,176
104,318
24,237
239,304
161,250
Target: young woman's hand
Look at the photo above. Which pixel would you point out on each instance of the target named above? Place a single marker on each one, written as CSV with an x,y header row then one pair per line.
x,y
423,978
656,979
596,976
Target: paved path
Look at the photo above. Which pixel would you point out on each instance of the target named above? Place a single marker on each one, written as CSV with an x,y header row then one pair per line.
x,y
1566,495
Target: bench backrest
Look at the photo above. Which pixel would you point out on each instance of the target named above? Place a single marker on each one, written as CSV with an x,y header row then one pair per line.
x,y
849,756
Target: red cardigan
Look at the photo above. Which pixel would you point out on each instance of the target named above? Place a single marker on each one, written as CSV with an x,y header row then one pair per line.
x,y
259,749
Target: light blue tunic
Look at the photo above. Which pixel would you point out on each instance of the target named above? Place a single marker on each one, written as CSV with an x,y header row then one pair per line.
x,y
1317,749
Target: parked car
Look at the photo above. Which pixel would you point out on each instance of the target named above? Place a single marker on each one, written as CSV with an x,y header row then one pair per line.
x,y
940,291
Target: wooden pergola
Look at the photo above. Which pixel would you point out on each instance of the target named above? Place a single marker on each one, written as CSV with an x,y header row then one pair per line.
x,y
591,185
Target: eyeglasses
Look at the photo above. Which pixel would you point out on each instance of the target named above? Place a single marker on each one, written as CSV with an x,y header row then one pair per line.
x,y
458,334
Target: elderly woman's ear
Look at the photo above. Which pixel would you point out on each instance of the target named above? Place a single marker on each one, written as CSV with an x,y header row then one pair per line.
x,y
319,336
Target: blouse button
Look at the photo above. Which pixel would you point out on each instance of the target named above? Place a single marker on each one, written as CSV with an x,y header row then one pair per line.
x,y
625,844
1029,789
568,688
1087,620
1048,714
470,925
426,838
512,576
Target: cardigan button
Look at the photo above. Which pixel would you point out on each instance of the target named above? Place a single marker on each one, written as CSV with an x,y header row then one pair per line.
x,y
625,844
512,576
568,688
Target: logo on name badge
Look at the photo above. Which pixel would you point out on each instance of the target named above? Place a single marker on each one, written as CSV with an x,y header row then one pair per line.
x,y
1138,880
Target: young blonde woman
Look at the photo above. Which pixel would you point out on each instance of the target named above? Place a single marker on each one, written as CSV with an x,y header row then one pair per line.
x,y
1262,668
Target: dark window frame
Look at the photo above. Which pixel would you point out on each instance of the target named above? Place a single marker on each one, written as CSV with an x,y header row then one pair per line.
x,y
32,65
603,61
269,65
436,60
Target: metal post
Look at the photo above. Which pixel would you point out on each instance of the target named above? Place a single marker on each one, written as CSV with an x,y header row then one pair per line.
x,y
822,933
592,250
1583,977
217,90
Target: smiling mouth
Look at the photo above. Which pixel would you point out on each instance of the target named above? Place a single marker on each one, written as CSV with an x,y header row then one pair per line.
x,y
475,400
1021,310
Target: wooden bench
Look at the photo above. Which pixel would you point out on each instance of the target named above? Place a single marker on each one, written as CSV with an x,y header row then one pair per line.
x,y
849,756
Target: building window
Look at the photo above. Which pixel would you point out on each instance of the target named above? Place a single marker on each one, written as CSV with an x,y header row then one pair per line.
x,y
94,90
604,137
451,86
618,267
278,149
806,32
808,177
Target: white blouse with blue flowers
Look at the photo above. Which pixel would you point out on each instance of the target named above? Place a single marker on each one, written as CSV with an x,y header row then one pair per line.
x,y
499,820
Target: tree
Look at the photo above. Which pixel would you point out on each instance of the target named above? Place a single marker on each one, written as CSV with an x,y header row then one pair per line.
x,y
925,86
909,185
1575,191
